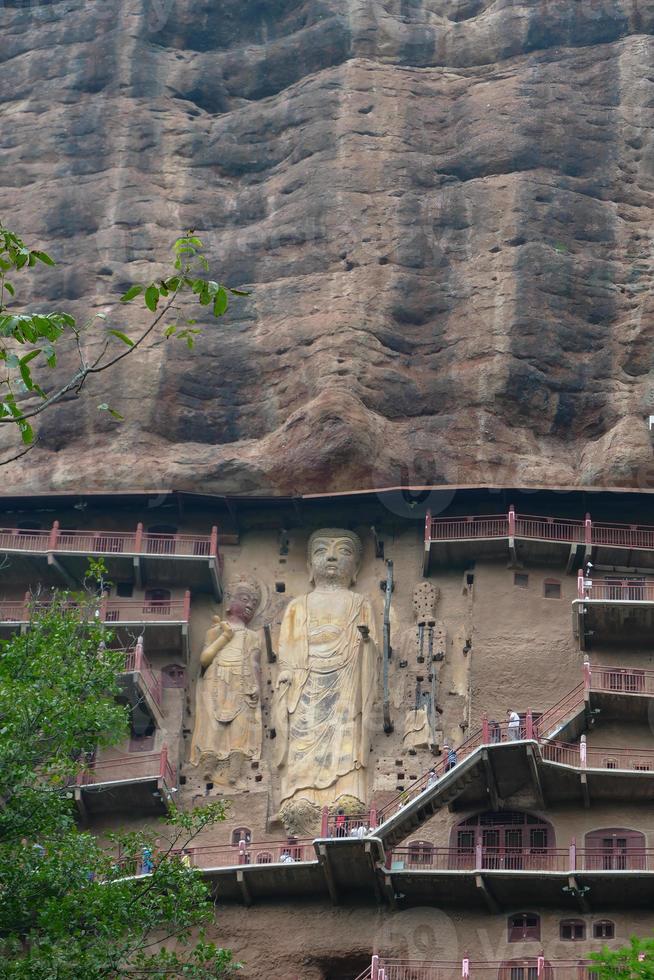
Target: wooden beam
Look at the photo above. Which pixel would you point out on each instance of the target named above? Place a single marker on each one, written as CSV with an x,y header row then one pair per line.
x,y
245,891
323,856
535,778
490,779
585,791
487,895
58,567
389,891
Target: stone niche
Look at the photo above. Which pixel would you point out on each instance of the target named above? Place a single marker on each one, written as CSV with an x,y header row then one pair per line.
x,y
284,703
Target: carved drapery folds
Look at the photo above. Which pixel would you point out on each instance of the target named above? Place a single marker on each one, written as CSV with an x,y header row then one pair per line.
x,y
325,686
228,696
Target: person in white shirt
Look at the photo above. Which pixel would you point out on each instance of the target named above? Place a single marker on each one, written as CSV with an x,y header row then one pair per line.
x,y
513,719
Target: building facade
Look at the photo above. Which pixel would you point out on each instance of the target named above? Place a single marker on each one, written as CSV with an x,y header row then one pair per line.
x,y
430,715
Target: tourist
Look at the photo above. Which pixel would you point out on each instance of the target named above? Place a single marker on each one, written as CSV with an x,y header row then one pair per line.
x,y
451,759
513,719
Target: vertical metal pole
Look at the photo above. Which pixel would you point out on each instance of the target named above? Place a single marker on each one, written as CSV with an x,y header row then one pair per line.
x,y
388,724
432,677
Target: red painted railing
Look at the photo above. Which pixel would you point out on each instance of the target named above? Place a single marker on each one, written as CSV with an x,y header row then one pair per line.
x,y
110,610
422,857
533,527
261,852
336,824
137,662
615,590
530,968
621,680
91,542
148,766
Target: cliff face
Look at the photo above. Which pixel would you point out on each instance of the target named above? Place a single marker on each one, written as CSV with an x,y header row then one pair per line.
x,y
443,209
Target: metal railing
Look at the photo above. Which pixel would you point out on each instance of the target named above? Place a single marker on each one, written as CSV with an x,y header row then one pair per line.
x,y
534,527
614,590
423,857
151,766
248,852
92,542
137,662
620,680
527,968
109,610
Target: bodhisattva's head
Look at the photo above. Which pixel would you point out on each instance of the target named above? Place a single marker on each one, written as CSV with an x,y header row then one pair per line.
x,y
242,599
334,557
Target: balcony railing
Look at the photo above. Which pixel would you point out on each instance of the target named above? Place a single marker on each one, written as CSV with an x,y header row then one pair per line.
x,y
151,766
137,662
243,853
91,542
109,610
620,680
422,857
615,590
531,527
530,968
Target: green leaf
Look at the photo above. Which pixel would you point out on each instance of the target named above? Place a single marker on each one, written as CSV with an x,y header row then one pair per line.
x,y
122,336
10,289
240,292
131,293
26,432
112,411
220,302
43,257
152,298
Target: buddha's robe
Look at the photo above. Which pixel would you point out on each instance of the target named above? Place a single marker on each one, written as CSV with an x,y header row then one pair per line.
x,y
323,717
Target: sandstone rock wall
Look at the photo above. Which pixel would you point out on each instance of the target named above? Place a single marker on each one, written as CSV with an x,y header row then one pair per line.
x,y
443,209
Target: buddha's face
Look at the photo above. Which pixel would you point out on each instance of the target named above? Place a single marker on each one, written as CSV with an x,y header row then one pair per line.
x,y
241,603
333,561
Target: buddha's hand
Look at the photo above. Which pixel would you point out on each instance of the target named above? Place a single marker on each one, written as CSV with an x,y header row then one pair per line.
x,y
252,699
284,679
228,632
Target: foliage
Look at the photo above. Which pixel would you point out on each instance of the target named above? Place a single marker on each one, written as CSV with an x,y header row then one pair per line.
x,y
30,342
71,907
633,962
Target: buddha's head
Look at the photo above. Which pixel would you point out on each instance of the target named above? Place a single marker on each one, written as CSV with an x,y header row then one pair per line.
x,y
334,556
242,599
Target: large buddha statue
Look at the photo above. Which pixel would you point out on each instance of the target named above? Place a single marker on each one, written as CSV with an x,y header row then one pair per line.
x,y
326,686
228,705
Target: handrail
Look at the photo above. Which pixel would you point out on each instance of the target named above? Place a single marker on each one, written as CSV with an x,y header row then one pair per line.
x,y
479,857
99,542
535,527
289,851
387,968
148,766
137,662
110,610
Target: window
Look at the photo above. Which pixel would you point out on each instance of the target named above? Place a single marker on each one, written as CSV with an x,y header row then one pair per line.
x,y
144,742
124,590
157,601
173,676
521,580
551,588
523,927
573,929
263,857
610,763
615,850
241,833
420,852
604,929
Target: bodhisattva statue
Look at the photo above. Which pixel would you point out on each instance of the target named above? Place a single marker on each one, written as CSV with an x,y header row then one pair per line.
x,y
228,705
326,686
